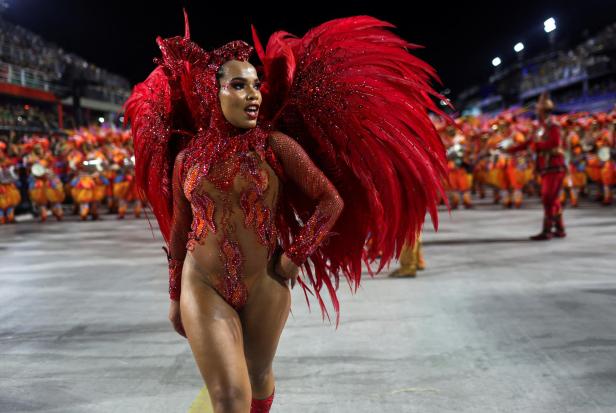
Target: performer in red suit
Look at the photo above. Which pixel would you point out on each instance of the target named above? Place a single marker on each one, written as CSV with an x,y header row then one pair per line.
x,y
550,162
251,180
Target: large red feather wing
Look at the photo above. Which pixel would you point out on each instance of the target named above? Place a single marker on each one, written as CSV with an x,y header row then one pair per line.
x,y
357,101
160,111
149,111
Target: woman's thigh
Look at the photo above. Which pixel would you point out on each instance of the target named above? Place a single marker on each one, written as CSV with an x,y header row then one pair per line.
x,y
263,319
214,332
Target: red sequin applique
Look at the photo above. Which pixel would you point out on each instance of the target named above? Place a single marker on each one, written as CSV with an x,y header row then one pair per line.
x,y
237,156
257,215
315,231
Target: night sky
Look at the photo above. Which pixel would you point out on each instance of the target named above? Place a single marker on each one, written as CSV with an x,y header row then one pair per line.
x,y
460,39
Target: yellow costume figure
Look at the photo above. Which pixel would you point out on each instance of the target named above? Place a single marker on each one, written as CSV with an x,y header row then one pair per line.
x,y
411,260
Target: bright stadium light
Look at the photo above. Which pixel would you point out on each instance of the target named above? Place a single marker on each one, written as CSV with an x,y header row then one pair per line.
x,y
549,25
496,61
518,47
101,119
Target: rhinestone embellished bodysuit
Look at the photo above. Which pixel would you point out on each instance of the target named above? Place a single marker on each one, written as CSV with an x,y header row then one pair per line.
x,y
224,215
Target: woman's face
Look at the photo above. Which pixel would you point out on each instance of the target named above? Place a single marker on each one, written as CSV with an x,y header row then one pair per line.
x,y
240,97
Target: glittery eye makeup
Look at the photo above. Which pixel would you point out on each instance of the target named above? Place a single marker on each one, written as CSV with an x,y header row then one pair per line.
x,y
240,85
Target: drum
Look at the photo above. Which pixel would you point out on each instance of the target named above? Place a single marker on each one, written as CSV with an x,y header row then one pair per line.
x,y
604,154
38,170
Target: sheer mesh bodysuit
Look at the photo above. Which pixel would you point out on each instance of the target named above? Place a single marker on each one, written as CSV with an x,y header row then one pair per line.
x,y
225,216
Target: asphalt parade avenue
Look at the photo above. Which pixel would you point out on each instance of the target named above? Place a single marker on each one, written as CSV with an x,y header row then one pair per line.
x,y
496,323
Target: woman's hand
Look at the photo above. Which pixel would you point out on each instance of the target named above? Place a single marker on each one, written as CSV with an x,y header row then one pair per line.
x,y
287,269
176,318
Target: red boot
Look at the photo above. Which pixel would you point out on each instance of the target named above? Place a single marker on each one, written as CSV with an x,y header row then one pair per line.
x,y
559,227
262,406
546,232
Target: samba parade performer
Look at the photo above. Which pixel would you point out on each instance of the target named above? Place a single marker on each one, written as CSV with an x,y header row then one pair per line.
x,y
460,169
124,189
9,194
575,180
551,167
89,186
250,181
481,162
598,156
605,150
44,187
515,167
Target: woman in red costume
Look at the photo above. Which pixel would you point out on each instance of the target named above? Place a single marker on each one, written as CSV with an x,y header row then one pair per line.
x,y
248,180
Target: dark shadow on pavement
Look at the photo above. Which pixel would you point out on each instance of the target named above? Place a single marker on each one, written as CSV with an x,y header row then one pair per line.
x,y
476,241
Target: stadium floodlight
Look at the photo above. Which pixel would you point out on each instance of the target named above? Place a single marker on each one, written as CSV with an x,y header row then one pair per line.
x,y
101,119
496,61
549,25
518,47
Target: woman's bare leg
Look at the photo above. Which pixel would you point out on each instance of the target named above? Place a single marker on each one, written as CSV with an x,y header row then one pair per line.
x,y
214,332
263,319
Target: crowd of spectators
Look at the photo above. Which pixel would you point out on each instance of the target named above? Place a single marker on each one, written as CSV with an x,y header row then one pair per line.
x,y
27,50
27,116
590,58
23,118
